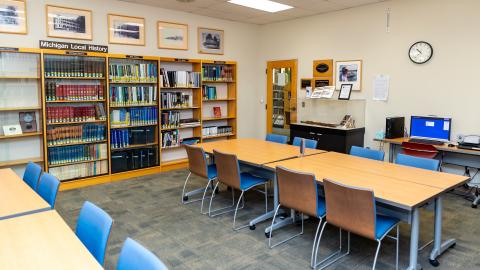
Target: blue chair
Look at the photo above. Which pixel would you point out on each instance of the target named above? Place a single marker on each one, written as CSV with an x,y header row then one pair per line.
x,y
418,162
32,174
93,229
276,138
48,188
228,173
135,257
308,143
358,215
367,153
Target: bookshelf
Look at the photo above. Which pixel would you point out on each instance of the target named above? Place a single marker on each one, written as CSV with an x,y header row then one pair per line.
x,y
134,110
20,93
75,91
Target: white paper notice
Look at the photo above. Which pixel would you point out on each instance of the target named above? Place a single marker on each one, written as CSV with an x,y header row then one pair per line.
x,y
380,87
282,79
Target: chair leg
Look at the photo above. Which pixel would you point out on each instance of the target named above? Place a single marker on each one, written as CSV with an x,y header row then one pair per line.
x,y
332,256
273,222
398,247
236,210
376,254
209,184
231,209
315,241
184,186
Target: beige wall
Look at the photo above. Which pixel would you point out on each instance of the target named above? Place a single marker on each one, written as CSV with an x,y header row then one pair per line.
x,y
446,86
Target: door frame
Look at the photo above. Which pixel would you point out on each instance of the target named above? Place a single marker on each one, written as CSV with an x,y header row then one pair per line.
x,y
293,65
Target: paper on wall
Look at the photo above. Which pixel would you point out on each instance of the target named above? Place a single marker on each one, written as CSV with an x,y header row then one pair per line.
x,y
381,84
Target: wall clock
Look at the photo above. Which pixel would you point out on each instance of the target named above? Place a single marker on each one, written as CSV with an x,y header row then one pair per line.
x,y
420,52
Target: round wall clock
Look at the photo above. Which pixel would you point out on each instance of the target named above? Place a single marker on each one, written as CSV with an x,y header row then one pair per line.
x,y
420,52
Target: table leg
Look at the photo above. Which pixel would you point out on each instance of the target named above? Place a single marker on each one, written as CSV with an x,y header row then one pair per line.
x,y
438,246
415,231
391,152
269,214
280,223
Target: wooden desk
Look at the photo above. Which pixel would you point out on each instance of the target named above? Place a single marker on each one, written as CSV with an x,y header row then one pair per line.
x,y
42,241
17,198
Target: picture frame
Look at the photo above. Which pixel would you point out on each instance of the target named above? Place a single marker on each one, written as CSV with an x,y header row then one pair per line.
x,y
348,72
211,41
13,17
172,36
70,23
345,91
126,30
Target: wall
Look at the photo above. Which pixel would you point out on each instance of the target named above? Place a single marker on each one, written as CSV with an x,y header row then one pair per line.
x,y
445,86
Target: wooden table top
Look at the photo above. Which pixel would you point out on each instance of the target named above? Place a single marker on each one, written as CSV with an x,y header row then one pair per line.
x,y
394,191
16,197
256,151
443,147
42,241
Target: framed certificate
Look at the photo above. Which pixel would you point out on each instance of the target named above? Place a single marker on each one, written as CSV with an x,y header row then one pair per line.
x,y
345,91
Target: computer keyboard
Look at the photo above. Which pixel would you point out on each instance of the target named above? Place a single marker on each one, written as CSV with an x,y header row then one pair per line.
x,y
414,140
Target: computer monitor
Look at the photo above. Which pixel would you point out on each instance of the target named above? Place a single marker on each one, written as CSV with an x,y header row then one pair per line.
x,y
430,128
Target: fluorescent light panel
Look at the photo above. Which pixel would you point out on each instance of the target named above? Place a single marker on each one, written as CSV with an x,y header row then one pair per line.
x,y
265,5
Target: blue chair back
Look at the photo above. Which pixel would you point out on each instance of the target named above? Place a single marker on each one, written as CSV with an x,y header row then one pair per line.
x,y
276,138
367,153
418,162
93,229
134,256
48,188
32,174
308,143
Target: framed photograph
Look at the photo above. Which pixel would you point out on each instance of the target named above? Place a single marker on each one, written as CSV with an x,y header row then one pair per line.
x,y
13,17
126,30
210,41
172,36
64,22
345,91
349,72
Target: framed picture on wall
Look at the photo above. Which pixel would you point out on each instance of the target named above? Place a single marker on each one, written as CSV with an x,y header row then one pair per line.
x,y
64,22
172,36
349,72
126,30
210,41
13,17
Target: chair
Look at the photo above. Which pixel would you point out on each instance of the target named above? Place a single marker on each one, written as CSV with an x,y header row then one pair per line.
x,y
229,174
419,150
93,229
308,143
197,164
134,256
418,162
32,174
276,138
353,209
367,153
298,191
48,188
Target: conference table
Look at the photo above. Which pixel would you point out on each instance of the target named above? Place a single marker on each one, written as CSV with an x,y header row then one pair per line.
x,y
42,241
17,198
400,191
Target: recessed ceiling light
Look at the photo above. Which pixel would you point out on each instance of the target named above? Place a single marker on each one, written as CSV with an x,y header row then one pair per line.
x,y
265,5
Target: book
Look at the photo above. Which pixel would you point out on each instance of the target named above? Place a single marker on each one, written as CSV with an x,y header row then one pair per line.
x,y
212,131
170,138
209,92
179,78
134,116
80,170
71,91
133,95
58,135
74,66
172,100
133,72
217,112
76,153
75,113
222,73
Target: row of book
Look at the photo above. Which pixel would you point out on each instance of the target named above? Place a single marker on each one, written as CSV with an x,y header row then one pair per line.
x,y
80,170
217,73
122,138
179,78
62,114
209,92
59,135
170,119
134,116
216,130
170,138
76,153
74,66
72,92
133,95
134,159
146,72
176,100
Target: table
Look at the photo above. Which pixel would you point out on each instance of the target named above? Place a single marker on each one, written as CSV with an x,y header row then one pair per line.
x,y
17,198
256,153
42,241
400,193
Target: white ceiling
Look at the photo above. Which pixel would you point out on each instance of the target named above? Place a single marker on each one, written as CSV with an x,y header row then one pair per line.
x,y
223,10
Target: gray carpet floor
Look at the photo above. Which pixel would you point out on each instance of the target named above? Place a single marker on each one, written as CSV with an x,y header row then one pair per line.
x,y
148,210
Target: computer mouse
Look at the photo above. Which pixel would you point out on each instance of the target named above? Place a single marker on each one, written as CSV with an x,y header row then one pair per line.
x,y
451,145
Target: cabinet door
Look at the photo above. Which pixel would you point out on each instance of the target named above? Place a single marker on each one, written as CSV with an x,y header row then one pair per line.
x,y
331,142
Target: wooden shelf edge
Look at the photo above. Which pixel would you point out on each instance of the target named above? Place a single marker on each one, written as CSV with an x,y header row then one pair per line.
x,y
218,118
24,135
74,101
79,143
20,161
20,109
219,136
133,147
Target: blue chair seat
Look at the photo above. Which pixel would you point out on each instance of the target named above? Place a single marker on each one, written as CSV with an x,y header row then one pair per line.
x,y
247,181
321,207
211,171
384,224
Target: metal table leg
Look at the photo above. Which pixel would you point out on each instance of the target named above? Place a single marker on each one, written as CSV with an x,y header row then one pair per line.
x,y
391,152
269,214
280,223
415,231
438,246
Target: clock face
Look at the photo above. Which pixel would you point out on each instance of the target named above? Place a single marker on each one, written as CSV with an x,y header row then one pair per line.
x,y
28,118
420,52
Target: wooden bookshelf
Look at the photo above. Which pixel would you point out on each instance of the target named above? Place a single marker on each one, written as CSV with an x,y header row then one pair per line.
x,y
74,78
17,162
24,135
33,108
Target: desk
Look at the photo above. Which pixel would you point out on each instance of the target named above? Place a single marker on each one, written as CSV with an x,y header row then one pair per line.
x,y
397,193
17,198
42,241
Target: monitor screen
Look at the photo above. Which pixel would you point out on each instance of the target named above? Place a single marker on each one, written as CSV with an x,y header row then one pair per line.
x,y
434,128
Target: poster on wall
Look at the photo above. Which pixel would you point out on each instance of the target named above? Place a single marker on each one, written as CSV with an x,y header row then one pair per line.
x,y
64,22
172,36
349,72
126,30
13,17
210,41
